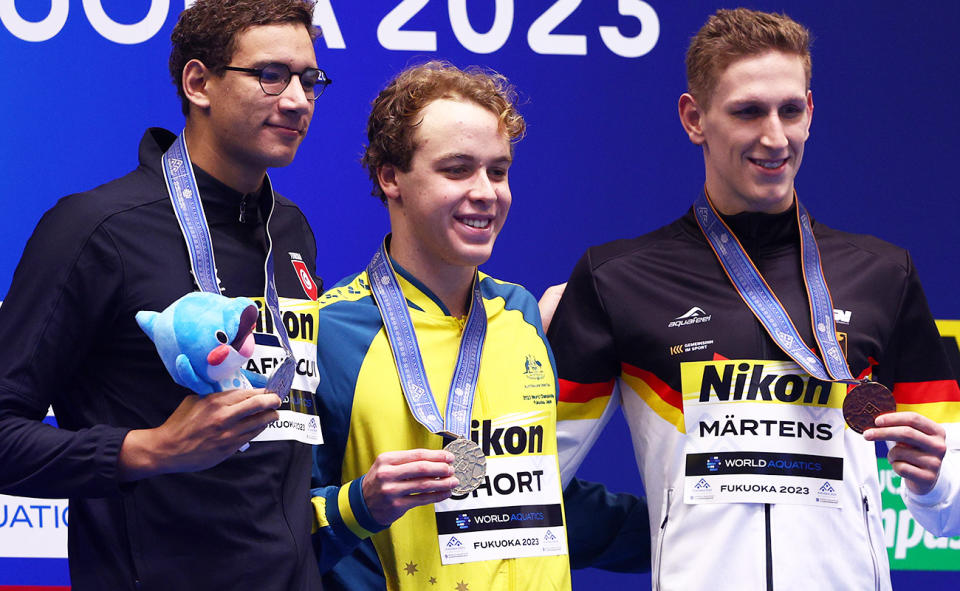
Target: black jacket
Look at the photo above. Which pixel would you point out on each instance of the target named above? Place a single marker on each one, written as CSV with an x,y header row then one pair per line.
x,y
70,340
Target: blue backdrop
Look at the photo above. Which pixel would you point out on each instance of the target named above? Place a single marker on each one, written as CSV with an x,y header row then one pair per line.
x,y
605,155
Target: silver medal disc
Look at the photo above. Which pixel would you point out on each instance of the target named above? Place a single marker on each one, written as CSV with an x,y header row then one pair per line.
x,y
281,380
469,464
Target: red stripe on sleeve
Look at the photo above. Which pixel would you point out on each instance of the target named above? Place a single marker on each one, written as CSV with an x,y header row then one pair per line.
x,y
668,394
576,392
923,392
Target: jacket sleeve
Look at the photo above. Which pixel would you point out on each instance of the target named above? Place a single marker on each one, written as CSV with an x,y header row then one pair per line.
x,y
608,531
63,293
342,521
938,511
587,367
923,382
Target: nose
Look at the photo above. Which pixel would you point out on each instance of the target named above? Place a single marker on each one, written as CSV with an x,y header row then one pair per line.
x,y
774,136
483,188
293,97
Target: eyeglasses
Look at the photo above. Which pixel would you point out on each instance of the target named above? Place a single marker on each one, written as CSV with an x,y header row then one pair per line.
x,y
274,79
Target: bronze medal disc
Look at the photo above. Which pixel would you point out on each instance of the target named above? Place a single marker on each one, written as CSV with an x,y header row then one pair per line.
x,y
865,403
469,464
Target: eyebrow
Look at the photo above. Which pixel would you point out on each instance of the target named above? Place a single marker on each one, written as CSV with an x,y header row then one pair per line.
x,y
750,100
468,158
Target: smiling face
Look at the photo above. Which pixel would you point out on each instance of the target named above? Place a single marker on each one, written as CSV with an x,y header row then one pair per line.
x,y
448,208
753,132
239,130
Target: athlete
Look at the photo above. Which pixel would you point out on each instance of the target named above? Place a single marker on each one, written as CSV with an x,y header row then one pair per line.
x,y
474,360
753,479
160,498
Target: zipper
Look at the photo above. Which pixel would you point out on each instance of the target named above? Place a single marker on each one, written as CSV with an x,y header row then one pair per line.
x,y
866,525
663,531
768,545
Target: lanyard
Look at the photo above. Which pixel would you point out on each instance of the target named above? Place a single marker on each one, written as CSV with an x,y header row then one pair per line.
x,y
406,352
185,197
761,300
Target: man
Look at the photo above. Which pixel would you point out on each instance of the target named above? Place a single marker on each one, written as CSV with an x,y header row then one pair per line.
x,y
753,480
439,155
159,496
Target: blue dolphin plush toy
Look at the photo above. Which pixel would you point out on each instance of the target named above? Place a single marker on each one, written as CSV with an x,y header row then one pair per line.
x,y
204,339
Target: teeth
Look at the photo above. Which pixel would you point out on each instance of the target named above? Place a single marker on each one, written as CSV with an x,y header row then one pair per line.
x,y
476,223
770,163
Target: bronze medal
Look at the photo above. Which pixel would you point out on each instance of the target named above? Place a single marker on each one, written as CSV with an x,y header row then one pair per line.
x,y
469,464
865,403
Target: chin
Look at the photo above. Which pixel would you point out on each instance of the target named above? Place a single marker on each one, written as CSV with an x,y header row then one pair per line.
x,y
473,257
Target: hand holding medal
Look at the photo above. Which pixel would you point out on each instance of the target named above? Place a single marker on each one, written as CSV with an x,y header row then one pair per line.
x,y
864,403
401,480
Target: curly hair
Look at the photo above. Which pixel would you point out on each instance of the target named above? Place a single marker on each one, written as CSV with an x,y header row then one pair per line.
x,y
730,35
208,31
395,114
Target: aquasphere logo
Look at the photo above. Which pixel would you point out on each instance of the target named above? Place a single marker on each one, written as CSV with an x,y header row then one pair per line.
x,y
694,315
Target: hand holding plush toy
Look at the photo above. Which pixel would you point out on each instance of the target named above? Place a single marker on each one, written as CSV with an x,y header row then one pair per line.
x,y
204,339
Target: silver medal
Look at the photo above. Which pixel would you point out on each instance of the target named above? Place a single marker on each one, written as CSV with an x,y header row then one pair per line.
x,y
281,380
469,464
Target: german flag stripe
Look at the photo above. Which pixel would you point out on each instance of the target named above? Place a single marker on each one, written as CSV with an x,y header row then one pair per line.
x,y
576,392
926,392
591,409
941,412
652,382
663,400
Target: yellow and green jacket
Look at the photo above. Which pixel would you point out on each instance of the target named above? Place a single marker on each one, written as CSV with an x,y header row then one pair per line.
x,y
364,413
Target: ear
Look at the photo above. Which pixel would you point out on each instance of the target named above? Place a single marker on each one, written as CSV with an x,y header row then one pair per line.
x,y
387,177
195,79
691,117
809,110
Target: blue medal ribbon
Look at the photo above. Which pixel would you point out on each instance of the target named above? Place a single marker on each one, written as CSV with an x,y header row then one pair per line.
x,y
185,197
398,325
761,300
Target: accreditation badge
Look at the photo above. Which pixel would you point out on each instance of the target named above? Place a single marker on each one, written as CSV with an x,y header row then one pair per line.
x,y
298,419
515,512
761,432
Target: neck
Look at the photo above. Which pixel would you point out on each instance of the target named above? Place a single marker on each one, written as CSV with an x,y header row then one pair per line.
x,y
732,204
450,283
202,147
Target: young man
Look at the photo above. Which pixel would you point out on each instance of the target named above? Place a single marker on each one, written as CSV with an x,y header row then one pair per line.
x,y
439,155
159,496
751,473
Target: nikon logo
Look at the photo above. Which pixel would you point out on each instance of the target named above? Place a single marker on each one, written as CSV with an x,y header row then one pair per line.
x,y
512,440
744,381
299,326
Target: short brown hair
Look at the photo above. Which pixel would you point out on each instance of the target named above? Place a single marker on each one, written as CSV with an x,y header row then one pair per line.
x,y
396,111
208,31
730,35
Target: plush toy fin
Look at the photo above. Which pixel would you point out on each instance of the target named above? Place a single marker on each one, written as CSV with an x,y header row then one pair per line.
x,y
188,378
146,319
257,380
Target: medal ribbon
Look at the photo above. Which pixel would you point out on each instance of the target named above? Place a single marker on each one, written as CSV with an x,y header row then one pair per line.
x,y
406,352
185,197
761,300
